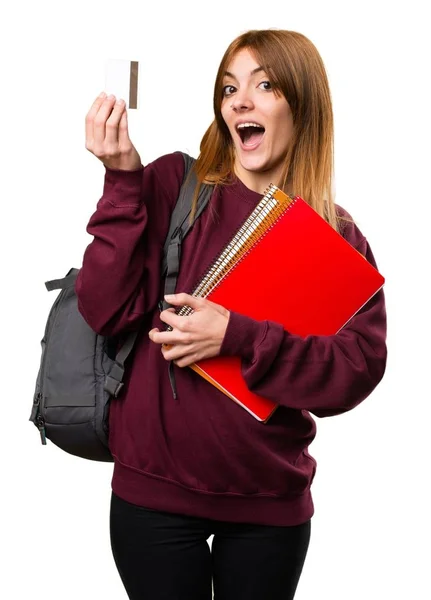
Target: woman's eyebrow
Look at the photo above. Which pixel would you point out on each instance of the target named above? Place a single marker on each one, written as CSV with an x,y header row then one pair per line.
x,y
256,70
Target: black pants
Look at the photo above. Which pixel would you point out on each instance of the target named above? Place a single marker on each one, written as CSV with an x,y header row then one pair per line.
x,y
163,556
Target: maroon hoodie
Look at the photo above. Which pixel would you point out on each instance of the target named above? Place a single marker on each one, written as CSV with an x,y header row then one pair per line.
x,y
202,454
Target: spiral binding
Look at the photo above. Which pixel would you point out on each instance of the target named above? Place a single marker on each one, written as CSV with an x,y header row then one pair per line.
x,y
270,209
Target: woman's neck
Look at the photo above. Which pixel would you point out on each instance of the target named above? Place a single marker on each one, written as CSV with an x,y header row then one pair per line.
x,y
259,181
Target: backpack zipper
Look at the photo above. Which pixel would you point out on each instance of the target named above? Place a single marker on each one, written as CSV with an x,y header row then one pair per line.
x,y
37,418
36,415
35,409
40,424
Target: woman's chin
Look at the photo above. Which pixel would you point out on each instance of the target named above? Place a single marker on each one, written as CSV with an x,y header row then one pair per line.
x,y
253,164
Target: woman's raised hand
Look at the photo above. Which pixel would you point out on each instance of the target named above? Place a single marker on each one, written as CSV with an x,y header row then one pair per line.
x,y
107,134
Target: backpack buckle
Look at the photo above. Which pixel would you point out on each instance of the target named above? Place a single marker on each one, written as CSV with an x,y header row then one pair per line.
x,y
112,386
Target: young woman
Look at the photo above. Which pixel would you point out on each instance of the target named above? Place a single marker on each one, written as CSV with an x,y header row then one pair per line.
x,y
200,465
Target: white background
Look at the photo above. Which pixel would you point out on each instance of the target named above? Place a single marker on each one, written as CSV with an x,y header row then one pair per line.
x,y
371,530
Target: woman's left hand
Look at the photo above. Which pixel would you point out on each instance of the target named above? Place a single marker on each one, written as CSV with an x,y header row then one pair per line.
x,y
194,337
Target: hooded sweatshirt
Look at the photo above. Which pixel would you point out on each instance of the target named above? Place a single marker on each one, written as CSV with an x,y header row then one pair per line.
x,y
202,454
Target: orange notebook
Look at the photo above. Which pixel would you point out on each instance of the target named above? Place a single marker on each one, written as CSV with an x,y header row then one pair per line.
x,y
288,265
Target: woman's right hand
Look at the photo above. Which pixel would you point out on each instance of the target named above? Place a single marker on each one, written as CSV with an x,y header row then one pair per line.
x,y
107,134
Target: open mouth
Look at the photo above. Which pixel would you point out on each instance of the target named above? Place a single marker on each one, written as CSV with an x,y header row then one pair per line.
x,y
250,133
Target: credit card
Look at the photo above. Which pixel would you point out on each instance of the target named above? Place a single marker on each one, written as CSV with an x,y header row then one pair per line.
x,y
121,80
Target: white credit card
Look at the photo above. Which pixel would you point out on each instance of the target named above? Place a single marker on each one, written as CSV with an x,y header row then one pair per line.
x,y
121,80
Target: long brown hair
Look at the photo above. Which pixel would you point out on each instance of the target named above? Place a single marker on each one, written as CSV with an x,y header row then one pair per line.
x,y
295,70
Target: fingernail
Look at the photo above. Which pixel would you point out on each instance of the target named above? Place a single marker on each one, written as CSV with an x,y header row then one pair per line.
x,y
169,297
120,101
111,97
102,95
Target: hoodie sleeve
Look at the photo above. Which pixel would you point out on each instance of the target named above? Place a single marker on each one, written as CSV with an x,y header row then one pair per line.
x,y
325,375
119,281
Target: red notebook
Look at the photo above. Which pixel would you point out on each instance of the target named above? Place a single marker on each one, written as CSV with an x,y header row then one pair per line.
x,y
300,273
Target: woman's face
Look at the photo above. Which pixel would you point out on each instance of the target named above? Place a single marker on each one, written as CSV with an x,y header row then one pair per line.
x,y
259,122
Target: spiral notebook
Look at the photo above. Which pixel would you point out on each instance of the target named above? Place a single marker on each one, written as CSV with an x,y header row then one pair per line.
x,y
288,265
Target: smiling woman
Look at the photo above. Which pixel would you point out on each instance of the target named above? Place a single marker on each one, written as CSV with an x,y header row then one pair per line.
x,y
276,79
259,121
200,465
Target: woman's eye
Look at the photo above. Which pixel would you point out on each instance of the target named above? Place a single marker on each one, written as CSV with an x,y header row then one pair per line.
x,y
266,85
228,90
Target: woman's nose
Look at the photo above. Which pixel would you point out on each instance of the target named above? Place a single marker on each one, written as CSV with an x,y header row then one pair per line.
x,y
241,102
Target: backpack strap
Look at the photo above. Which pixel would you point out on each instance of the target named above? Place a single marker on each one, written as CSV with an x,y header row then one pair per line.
x,y
65,282
114,381
181,225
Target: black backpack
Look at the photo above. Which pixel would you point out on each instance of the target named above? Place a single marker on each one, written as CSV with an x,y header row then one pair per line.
x,y
78,373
